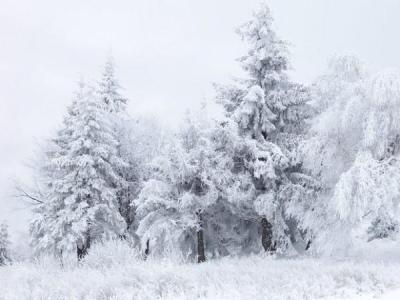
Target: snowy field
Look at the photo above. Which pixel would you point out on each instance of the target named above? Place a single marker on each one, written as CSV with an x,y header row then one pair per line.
x,y
247,278
116,273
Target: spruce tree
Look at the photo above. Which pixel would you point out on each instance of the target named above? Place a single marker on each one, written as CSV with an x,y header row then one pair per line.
x,y
115,104
270,111
81,205
109,89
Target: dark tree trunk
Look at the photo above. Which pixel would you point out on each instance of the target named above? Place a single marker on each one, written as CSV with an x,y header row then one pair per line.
x,y
82,250
308,245
147,250
3,257
201,257
60,257
266,235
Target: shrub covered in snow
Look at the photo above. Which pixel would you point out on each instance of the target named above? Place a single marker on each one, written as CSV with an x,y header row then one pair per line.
x,y
4,245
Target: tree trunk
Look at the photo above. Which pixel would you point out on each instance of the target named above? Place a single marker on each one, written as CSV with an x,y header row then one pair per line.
x,y
201,257
147,250
266,235
308,244
82,250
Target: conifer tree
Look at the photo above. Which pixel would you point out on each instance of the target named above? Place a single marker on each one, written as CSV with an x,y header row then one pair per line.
x,y
109,89
81,205
270,111
114,103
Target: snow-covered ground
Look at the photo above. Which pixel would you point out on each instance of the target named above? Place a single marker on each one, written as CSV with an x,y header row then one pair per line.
x,y
115,272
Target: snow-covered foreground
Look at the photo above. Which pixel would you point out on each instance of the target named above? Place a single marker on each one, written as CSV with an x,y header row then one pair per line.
x,y
120,276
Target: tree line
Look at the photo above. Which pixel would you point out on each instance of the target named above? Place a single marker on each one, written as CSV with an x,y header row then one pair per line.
x,y
287,168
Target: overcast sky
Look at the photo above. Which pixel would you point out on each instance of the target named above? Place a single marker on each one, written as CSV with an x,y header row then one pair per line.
x,y
168,53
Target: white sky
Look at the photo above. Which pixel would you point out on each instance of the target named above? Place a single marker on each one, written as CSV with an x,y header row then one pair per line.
x,y
168,53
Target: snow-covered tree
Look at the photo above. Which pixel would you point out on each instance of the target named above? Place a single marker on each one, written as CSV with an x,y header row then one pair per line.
x,y
81,202
4,244
182,190
353,149
109,89
344,73
115,104
141,140
330,148
336,96
270,111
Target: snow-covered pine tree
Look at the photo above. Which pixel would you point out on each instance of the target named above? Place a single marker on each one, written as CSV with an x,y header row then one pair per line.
x,y
81,204
181,191
270,111
4,244
109,89
115,104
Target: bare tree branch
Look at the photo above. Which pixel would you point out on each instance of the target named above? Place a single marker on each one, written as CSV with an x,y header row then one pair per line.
x,y
22,193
